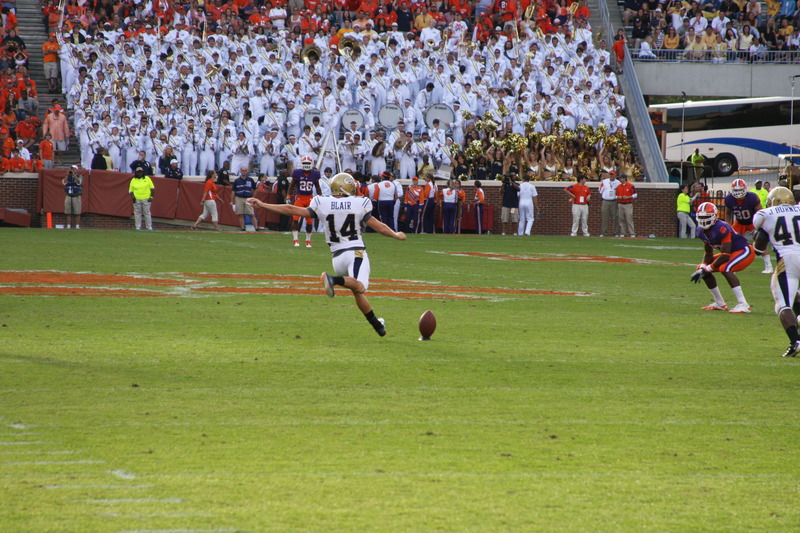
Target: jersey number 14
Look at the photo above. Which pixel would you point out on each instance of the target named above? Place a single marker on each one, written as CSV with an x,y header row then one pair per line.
x,y
348,230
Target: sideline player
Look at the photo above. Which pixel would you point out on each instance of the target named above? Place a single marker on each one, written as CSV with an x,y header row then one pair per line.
x,y
741,206
735,254
777,224
305,183
342,215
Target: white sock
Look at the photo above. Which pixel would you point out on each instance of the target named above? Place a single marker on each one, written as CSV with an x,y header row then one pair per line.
x,y
69,226
767,261
737,291
294,235
77,226
717,296
308,237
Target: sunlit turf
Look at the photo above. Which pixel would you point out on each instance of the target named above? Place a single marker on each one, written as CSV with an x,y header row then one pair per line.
x,y
626,409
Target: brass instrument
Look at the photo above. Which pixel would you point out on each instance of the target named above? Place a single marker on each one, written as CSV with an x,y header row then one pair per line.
x,y
530,11
573,8
349,47
213,72
309,52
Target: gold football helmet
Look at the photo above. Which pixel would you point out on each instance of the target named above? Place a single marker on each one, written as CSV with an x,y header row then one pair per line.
x,y
343,184
780,196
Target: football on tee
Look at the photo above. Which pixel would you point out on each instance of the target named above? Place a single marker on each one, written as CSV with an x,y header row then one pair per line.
x,y
427,325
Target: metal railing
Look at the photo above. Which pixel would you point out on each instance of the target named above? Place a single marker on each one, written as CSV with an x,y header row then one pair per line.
x,y
731,57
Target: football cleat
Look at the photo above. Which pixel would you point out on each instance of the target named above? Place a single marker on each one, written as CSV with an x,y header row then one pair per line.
x,y
715,307
792,350
327,282
296,242
382,329
740,308
767,270
308,244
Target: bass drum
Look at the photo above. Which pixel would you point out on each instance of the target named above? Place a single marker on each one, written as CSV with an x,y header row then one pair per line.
x,y
389,115
352,115
443,112
308,118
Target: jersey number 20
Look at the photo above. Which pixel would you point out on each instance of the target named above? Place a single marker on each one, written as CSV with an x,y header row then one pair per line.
x,y
347,231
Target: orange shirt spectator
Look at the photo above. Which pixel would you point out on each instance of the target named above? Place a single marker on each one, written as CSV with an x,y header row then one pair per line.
x,y
46,149
34,165
11,19
370,6
16,163
26,129
8,145
50,49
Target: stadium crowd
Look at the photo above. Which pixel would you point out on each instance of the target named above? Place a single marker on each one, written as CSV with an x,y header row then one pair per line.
x,y
477,87
717,31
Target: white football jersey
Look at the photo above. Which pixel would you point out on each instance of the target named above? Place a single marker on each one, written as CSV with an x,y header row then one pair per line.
x,y
342,219
782,225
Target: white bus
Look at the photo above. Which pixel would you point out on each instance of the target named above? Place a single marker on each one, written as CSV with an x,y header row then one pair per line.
x,y
731,134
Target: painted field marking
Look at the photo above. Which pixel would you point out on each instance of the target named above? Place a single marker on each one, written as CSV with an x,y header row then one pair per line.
x,y
25,442
218,530
109,487
570,258
78,462
122,474
59,283
42,452
518,474
130,500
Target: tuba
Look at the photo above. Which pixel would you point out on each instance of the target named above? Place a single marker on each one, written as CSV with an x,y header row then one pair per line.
x,y
349,47
309,52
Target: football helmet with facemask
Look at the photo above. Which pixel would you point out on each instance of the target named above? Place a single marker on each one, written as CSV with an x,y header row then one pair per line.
x,y
306,162
343,184
738,189
780,196
706,215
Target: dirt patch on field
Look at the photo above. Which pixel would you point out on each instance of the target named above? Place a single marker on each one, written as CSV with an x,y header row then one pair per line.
x,y
58,283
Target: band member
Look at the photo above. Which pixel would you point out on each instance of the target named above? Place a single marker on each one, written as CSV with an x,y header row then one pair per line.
x,y
207,145
406,152
242,151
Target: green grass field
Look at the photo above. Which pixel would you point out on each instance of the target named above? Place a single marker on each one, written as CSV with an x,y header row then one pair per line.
x,y
211,408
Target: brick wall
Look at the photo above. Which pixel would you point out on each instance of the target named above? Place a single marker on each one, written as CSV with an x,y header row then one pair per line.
x,y
19,192
653,211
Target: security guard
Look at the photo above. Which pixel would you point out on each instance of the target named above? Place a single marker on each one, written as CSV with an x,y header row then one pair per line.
x,y
142,190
